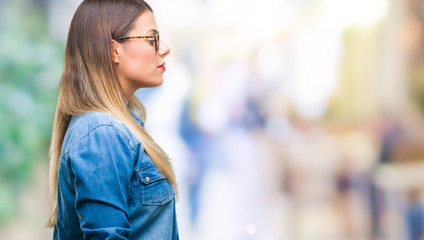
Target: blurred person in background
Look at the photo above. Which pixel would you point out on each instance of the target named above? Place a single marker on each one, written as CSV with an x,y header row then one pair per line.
x,y
108,177
414,215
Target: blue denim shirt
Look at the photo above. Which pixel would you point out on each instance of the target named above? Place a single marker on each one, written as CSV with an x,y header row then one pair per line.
x,y
108,187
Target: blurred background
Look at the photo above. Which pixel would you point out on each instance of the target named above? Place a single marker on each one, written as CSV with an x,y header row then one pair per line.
x,y
286,119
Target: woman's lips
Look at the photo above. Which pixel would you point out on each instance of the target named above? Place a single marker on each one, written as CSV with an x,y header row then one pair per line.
x,y
162,66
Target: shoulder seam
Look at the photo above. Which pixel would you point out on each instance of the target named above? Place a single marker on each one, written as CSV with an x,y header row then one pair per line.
x,y
65,152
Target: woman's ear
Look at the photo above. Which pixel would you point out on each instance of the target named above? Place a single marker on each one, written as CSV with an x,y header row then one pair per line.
x,y
116,48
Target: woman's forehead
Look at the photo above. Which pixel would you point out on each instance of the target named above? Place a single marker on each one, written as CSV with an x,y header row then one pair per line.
x,y
145,24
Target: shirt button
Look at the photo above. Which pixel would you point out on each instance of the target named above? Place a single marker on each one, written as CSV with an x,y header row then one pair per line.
x,y
147,179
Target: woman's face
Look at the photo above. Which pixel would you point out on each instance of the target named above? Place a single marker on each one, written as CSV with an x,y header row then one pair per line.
x,y
137,63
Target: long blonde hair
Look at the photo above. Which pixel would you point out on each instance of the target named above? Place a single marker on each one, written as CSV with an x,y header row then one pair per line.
x,y
90,83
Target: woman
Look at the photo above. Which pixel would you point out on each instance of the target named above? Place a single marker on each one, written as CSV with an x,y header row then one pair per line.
x,y
108,178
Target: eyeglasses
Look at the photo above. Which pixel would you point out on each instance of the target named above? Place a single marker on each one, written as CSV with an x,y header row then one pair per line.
x,y
155,36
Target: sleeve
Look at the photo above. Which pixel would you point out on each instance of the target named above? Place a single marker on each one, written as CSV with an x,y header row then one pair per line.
x,y
102,164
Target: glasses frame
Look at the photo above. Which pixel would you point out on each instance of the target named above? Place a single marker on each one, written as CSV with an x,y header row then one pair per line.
x,y
155,36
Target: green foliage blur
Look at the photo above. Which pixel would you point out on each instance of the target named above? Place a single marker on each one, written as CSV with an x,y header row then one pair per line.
x,y
31,62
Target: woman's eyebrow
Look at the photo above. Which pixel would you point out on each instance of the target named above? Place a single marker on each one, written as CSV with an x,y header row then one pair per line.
x,y
153,31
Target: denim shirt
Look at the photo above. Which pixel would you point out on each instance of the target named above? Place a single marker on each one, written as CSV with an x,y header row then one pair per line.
x,y
108,187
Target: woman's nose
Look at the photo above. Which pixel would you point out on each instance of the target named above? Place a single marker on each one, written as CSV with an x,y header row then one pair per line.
x,y
163,49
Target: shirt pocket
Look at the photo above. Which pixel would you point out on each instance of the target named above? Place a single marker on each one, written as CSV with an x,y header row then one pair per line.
x,y
155,188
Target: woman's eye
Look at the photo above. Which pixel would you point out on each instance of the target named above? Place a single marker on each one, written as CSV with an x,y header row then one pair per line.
x,y
152,42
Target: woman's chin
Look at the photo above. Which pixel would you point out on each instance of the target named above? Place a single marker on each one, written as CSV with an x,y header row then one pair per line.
x,y
154,84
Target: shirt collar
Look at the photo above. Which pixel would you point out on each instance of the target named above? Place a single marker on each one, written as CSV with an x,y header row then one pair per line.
x,y
138,119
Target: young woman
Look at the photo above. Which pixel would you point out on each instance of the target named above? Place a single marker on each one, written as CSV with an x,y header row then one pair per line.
x,y
108,178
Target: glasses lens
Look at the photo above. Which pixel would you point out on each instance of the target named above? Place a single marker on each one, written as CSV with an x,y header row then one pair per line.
x,y
157,41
